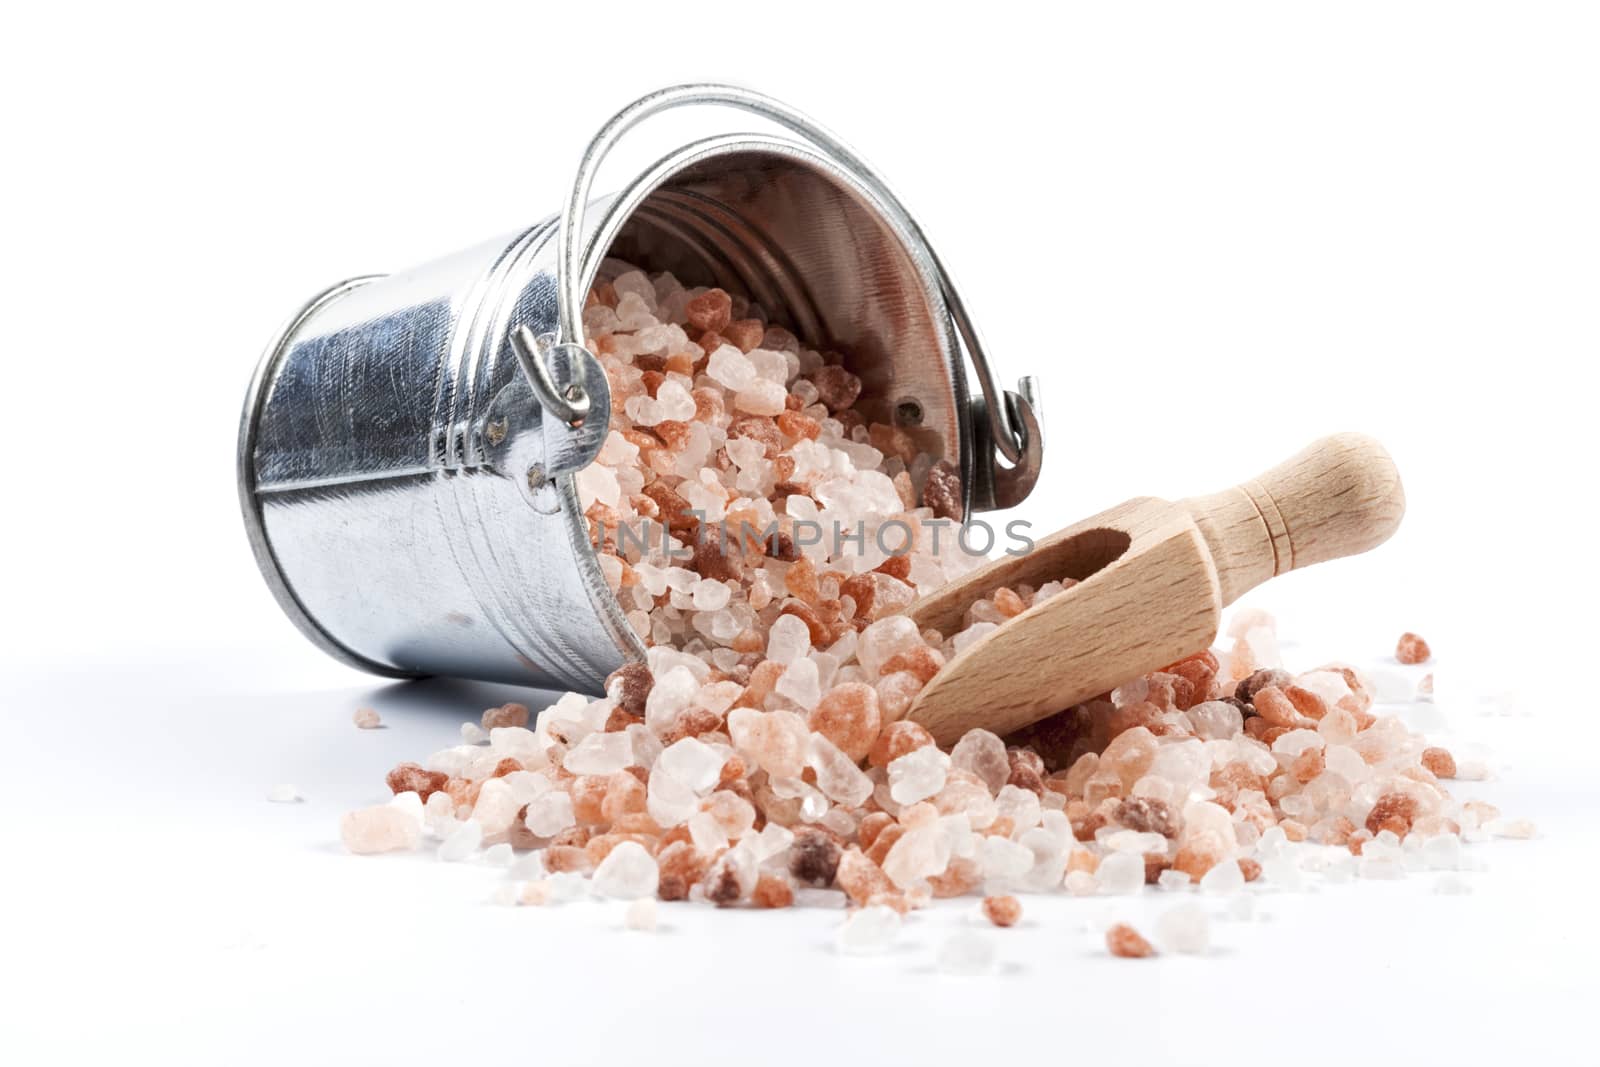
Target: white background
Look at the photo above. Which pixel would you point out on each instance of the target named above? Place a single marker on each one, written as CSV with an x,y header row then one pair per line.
x,y
1214,233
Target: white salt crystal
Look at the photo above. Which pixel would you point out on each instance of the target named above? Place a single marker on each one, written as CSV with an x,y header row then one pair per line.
x,y
1081,884
807,897
1173,879
920,853
789,639
641,914
770,365
706,833
760,397
473,734
801,682
284,794
772,840
1224,877
884,639
869,931
983,754
597,482
710,595
838,776
1004,860
1019,805
1121,872
462,842
918,774
967,952
1282,872
498,855
600,753
1185,928
692,762
971,634
669,697
409,802
627,873
549,813
668,801
730,368
497,806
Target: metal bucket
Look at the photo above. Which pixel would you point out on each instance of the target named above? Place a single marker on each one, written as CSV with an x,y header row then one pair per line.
x,y
408,443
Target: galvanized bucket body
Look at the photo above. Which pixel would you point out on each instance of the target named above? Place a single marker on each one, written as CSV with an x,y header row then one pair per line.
x,y
410,501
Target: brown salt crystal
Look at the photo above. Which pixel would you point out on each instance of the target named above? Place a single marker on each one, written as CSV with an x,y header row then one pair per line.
x,y
772,891
942,491
760,429
674,509
1124,941
723,887
1440,762
708,404
1394,812
1154,864
861,589
691,723
710,341
673,434
1147,815
848,716
679,363
1002,911
1247,689
897,739
1249,868
837,388
1412,649
1026,776
745,334
821,633
520,836
860,878
652,381
681,867
921,661
562,858
1306,766
1276,709
896,567
413,778
813,858
892,441
588,793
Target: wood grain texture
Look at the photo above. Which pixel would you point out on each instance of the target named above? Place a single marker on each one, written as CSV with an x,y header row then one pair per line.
x,y
1153,580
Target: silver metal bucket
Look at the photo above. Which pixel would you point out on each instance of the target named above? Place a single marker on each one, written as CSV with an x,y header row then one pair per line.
x,y
408,443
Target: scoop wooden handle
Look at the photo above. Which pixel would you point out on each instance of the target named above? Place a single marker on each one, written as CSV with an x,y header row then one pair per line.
x,y
1340,496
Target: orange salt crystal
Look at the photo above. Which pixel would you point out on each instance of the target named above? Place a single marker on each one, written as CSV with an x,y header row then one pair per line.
x,y
1002,911
862,879
1394,812
681,867
1440,762
1412,649
413,778
562,858
961,877
1249,868
772,891
1275,708
588,794
897,739
1124,941
872,826
922,661
1009,604
711,310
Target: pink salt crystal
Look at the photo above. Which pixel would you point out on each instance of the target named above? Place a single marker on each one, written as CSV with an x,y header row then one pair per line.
x,y
367,719
897,691
382,828
775,740
983,754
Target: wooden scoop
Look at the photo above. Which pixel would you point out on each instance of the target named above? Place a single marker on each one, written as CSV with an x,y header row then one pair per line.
x,y
1153,578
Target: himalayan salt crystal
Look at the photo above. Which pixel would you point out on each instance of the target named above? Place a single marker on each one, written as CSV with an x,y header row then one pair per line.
x,y
859,877
600,754
848,717
918,854
1224,878
896,740
1002,910
1425,688
692,762
667,800
869,931
680,867
1184,929
801,682
380,829
838,776
284,794
731,878
1277,709
896,693
1129,755
1172,880
413,778
788,640
918,774
1520,829
462,842
505,715
367,719
473,734
1216,720
669,697
1412,649
711,310
1125,942
627,873
498,804
1020,807
885,639
1394,812
760,397
772,891
1121,872
982,754
921,661
734,815
1247,689
1439,762
640,914
775,740
1147,815
1081,884
814,858
966,952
